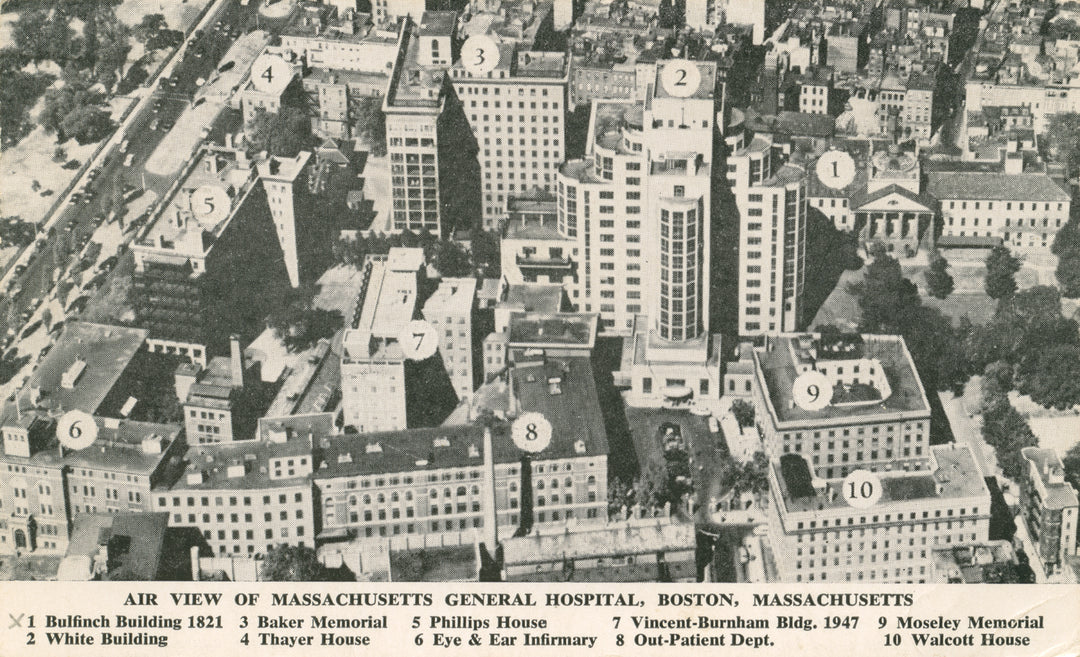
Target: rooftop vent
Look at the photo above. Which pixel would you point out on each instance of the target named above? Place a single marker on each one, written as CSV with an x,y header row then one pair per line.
x,y
420,463
373,448
345,457
441,442
474,452
579,446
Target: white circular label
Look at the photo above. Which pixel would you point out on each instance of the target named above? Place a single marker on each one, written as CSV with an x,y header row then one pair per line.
x,y
531,432
210,204
480,54
836,169
812,391
681,78
76,430
861,489
270,72
418,339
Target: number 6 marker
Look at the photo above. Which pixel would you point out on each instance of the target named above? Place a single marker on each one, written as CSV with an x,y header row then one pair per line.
x,y
76,430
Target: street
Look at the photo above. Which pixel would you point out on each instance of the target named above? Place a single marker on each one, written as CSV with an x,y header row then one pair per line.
x,y
162,101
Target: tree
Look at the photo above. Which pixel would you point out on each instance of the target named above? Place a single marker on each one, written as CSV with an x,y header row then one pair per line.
x,y
938,281
1001,268
299,324
884,296
1067,248
1050,376
1071,465
290,563
149,27
451,259
743,412
1063,139
651,488
30,34
486,253
371,124
46,318
87,124
283,134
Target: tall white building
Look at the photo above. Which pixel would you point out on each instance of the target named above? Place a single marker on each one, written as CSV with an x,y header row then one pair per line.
x,y
517,114
449,311
372,361
772,236
280,177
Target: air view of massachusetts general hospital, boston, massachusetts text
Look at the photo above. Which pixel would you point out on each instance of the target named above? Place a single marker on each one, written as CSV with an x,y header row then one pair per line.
x,y
540,290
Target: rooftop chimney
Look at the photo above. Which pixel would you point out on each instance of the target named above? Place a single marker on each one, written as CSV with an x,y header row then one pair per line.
x,y
237,361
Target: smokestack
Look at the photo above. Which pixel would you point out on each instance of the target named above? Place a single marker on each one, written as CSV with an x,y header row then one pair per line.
x,y
196,575
236,362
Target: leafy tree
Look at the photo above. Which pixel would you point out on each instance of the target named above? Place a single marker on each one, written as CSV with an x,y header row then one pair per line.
x,y
1071,465
299,324
1050,376
371,124
938,281
651,488
451,259
1001,268
1063,138
59,154
290,563
149,27
884,296
87,124
30,34
113,43
743,412
485,253
283,134
1067,248
46,318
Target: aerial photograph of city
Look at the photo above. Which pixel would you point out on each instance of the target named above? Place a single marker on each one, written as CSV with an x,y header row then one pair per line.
x,y
737,291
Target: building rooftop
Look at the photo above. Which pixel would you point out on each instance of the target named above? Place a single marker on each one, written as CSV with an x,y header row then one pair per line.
x,y
628,537
533,297
412,85
995,186
387,303
133,544
311,382
574,413
249,462
454,296
1059,493
326,23
706,89
307,426
181,225
81,369
552,330
783,358
125,446
953,473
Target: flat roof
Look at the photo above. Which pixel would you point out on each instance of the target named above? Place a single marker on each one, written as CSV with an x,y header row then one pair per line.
x,y
176,227
954,474
777,366
119,447
214,460
533,297
137,539
1045,461
296,426
574,413
106,350
552,329
454,295
636,536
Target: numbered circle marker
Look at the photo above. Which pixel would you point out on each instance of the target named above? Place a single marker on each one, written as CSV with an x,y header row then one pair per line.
x,y
418,340
531,432
861,489
76,430
680,78
270,72
480,54
812,391
836,169
210,204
